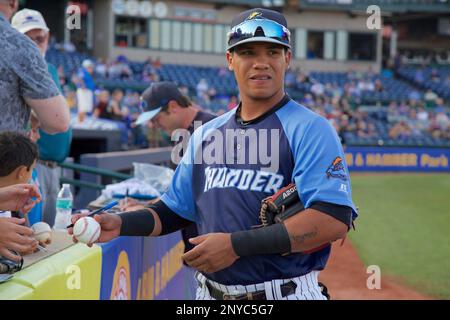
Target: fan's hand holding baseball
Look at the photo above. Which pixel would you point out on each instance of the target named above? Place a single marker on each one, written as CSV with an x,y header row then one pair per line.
x,y
213,252
15,236
109,227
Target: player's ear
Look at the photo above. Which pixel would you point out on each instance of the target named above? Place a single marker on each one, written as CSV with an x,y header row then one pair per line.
x,y
230,60
288,57
172,107
20,172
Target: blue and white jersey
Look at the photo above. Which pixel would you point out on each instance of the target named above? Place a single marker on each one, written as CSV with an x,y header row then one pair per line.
x,y
230,167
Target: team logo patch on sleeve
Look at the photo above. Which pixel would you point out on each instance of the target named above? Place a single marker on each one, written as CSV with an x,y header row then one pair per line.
x,y
337,170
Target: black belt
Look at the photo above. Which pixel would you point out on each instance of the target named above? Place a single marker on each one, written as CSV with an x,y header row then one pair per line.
x,y
286,289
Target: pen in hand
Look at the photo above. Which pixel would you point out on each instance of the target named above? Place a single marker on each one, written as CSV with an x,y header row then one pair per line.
x,y
41,248
93,213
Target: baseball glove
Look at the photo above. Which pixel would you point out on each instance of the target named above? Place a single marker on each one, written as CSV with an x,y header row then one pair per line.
x,y
282,205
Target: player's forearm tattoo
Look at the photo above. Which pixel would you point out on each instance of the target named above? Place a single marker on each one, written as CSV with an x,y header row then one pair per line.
x,y
300,239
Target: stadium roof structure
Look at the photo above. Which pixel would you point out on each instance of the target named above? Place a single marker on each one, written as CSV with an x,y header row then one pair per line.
x,y
251,3
391,6
387,6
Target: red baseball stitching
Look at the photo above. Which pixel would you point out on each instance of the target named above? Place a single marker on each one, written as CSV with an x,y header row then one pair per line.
x,y
84,228
95,233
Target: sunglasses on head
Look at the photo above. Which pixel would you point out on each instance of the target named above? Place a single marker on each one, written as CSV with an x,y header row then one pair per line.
x,y
266,28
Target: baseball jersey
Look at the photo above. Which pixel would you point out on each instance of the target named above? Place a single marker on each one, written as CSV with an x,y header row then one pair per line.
x,y
220,184
191,231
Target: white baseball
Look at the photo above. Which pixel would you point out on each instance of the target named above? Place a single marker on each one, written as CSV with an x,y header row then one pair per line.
x,y
86,230
42,232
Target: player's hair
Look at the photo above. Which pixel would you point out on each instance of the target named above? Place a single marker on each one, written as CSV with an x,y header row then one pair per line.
x,y
182,101
16,150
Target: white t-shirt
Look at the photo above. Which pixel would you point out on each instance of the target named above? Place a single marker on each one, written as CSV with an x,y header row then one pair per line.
x,y
85,98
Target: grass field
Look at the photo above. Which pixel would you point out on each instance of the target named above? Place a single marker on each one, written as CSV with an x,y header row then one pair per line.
x,y
404,227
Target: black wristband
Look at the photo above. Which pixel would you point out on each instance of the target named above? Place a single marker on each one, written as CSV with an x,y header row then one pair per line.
x,y
170,221
137,223
273,239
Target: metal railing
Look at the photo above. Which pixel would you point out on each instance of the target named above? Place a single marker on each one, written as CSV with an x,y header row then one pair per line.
x,y
95,169
92,170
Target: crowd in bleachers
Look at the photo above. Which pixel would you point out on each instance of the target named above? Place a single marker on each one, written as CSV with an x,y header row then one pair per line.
x,y
362,88
432,79
408,122
410,109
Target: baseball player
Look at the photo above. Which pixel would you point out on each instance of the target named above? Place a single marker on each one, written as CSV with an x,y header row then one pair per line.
x,y
238,159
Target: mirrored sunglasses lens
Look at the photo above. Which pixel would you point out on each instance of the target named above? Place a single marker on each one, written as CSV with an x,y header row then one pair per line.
x,y
247,30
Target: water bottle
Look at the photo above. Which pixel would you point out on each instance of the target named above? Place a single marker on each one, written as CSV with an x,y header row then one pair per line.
x,y
63,208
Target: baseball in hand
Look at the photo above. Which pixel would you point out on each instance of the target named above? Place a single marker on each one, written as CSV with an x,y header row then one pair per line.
x,y
42,232
86,230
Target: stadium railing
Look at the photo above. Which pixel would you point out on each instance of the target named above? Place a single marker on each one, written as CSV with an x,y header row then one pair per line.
x,y
98,170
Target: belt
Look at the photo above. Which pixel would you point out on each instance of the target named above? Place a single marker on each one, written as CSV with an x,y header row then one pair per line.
x,y
48,163
286,289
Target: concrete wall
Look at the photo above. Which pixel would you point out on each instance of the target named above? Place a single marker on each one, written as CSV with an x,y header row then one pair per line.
x,y
333,65
103,29
332,21
171,57
323,20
